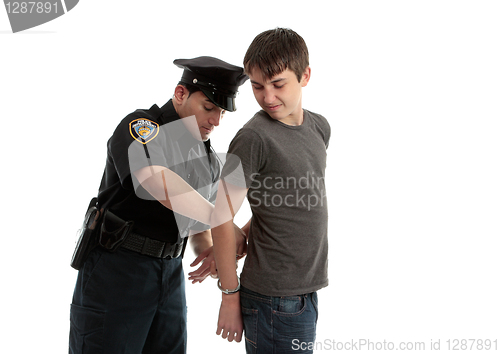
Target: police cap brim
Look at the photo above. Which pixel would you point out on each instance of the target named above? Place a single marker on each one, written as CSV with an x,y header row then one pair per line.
x,y
218,80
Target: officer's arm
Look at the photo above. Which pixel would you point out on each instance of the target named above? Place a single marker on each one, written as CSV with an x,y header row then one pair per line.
x,y
174,193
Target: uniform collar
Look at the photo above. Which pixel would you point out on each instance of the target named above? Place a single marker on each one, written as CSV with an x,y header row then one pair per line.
x,y
167,114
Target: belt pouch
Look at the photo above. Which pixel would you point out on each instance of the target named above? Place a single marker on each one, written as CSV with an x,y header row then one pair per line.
x,y
86,235
114,231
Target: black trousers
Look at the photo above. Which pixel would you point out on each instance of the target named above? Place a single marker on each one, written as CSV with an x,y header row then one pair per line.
x,y
125,302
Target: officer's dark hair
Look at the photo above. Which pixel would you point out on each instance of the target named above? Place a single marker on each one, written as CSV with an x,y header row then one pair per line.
x,y
191,88
276,50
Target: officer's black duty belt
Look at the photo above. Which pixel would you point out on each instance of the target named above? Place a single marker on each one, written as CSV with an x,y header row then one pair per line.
x,y
153,248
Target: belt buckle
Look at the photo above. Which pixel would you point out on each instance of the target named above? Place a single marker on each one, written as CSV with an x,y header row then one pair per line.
x,y
177,250
171,250
166,251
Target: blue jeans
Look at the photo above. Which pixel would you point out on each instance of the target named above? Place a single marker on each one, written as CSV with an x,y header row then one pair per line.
x,y
125,302
278,324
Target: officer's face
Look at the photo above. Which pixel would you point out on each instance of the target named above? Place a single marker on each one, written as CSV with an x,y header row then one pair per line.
x,y
207,114
281,95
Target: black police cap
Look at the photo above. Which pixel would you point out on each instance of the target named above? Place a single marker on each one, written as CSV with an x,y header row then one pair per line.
x,y
218,80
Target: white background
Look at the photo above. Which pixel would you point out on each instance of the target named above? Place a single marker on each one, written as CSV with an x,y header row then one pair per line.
x,y
411,90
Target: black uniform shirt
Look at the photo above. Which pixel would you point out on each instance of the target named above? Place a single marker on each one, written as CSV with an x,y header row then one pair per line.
x,y
156,137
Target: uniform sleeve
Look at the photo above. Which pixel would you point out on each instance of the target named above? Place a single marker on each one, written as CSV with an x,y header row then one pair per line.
x,y
136,143
244,158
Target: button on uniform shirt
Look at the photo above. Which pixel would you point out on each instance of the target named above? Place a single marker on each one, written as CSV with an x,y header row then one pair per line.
x,y
156,137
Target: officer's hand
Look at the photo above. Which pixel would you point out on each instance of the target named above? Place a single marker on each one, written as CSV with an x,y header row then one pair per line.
x,y
206,268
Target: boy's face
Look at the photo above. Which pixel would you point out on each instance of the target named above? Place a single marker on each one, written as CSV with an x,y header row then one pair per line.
x,y
281,95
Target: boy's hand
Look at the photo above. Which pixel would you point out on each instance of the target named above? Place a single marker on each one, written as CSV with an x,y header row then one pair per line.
x,y
241,242
230,323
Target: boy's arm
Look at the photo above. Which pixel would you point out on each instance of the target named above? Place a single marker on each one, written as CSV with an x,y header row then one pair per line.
x,y
230,323
229,200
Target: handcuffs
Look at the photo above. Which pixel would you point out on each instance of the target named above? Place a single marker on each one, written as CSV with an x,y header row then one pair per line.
x,y
229,291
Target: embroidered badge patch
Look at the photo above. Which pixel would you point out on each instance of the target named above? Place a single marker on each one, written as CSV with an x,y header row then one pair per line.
x,y
143,130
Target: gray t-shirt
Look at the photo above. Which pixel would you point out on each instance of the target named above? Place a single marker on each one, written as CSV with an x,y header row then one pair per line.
x,y
284,169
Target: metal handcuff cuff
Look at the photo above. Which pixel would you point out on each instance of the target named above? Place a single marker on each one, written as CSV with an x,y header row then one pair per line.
x,y
229,291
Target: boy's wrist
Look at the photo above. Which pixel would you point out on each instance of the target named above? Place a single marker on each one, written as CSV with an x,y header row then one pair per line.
x,y
232,299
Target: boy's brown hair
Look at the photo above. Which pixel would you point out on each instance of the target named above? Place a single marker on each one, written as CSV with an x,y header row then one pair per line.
x,y
276,50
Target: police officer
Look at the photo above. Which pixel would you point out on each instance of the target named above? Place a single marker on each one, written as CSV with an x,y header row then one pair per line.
x,y
158,188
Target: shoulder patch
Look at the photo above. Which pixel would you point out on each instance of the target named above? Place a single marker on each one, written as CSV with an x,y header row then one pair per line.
x,y
143,130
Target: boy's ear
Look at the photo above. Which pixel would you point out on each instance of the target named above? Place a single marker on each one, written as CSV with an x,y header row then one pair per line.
x,y
306,75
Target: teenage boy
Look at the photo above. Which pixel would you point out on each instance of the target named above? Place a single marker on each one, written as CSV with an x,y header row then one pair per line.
x,y
282,150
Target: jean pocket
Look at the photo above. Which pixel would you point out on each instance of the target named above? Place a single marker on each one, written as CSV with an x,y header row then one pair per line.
x,y
314,300
86,330
250,320
290,305
295,323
